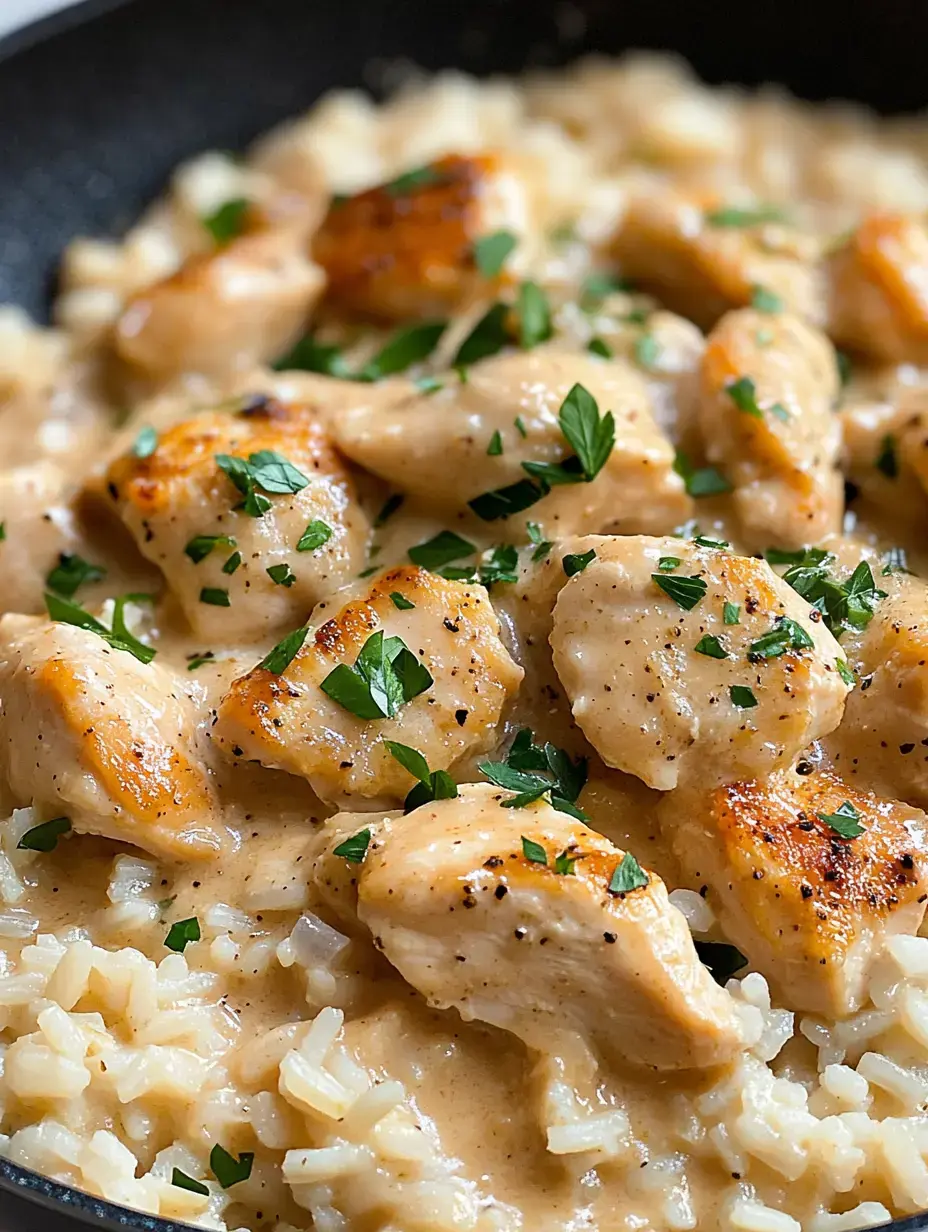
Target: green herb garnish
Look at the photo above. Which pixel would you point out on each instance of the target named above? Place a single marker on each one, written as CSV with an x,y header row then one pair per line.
x,y
700,481
845,820
731,613
764,300
200,546
685,591
119,637
182,933
785,635
491,251
596,346
628,875
384,677
286,650
183,1181
228,221
560,777
441,550
744,216
495,447
215,596
431,785
742,696
44,837
576,562
710,646
488,337
72,572
145,443
354,849
887,461
227,1169
534,313
408,346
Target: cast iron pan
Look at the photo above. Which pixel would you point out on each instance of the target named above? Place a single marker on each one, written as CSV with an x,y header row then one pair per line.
x,y
99,103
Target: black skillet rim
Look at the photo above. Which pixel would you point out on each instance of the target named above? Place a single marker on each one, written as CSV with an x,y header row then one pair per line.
x,y
14,1178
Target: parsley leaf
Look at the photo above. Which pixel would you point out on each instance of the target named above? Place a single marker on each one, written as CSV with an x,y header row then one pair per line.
x,y
200,546
181,933
667,564
431,785
265,469
598,285
308,355
491,251
197,660
744,216
118,637
785,635
525,772
227,1169
542,545
628,875
886,460
407,347
743,393
183,1181
723,960
418,177
145,443
647,351
354,849
228,221
534,315
401,602
686,591
281,575
843,605
742,696
495,447
314,536
731,613
845,672
215,596
441,550
534,852
710,646
576,562
282,655
845,820
700,481
590,435
72,572
44,837
504,502
488,337
597,346
390,506
385,676
765,301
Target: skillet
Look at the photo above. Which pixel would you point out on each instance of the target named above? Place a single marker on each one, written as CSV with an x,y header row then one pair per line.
x,y
100,102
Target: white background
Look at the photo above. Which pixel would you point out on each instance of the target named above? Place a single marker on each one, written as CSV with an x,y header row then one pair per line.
x,y
15,13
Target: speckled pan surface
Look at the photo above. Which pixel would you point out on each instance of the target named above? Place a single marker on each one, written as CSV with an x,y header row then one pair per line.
x,y
100,102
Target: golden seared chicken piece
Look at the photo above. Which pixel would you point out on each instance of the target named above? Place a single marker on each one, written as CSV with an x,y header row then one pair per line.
x,y
223,311
769,382
216,530
886,453
288,721
686,664
882,743
702,261
472,921
878,289
406,249
435,446
38,525
90,732
807,905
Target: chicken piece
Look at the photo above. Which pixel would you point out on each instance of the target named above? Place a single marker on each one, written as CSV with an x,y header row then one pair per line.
x,y
769,383
808,907
882,743
288,723
671,247
223,311
674,694
406,249
878,289
471,922
38,525
885,453
179,492
89,731
435,446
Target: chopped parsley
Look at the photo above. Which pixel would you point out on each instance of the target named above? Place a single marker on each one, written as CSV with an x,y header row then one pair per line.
x,y
181,933
597,286
628,875
845,820
118,637
281,575
354,849
428,384
520,427
887,461
532,772
534,313
504,502
703,541
576,562
542,545
286,650
401,602
647,351
591,436
145,443
44,837
731,613
407,347
308,355
488,337
183,1181
845,672
200,546
227,1169
700,481
723,960
232,563
667,564
197,660
765,301
742,697
845,367
785,635
500,566
596,346
314,536
744,216
228,221
844,605
685,591
743,393
384,677
431,784
215,596
710,646
491,251
267,470
418,177
495,447
2,531
441,550
71,573
534,852
564,864
390,506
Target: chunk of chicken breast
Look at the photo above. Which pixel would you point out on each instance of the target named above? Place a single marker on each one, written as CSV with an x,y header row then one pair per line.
x,y
38,524
472,921
882,742
769,382
223,311
731,685
878,289
886,453
178,493
89,731
287,722
435,446
406,249
680,250
808,907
